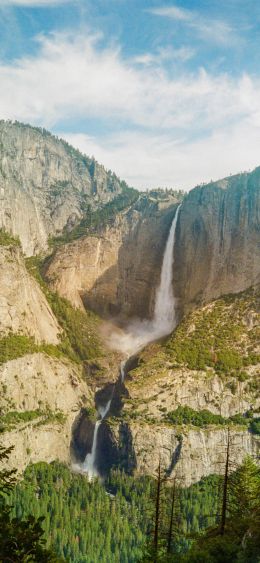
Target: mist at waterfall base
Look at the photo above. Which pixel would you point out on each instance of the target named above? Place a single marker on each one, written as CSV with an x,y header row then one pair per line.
x,y
138,334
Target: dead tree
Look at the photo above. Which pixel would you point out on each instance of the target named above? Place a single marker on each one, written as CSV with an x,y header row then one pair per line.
x,y
157,510
170,533
225,489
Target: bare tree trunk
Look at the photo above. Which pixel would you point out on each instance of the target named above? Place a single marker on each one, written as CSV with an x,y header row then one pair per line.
x,y
169,543
157,511
225,491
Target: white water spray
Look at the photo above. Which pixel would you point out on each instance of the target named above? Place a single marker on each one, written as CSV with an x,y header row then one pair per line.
x,y
139,333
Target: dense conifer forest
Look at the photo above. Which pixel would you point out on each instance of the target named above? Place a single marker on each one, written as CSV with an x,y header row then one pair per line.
x,y
94,522
54,515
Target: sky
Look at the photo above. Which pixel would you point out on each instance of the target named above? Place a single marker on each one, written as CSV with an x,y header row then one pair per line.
x,y
164,93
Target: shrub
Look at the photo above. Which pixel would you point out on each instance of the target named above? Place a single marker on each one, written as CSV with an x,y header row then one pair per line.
x,y
8,240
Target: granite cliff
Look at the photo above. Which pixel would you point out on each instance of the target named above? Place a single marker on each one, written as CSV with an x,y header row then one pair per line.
x,y
46,185
218,241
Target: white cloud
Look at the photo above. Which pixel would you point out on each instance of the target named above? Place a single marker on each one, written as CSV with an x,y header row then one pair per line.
x,y
164,54
173,12
174,130
209,29
72,78
146,161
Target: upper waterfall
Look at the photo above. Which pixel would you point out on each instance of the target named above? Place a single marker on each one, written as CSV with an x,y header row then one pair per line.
x,y
139,333
164,310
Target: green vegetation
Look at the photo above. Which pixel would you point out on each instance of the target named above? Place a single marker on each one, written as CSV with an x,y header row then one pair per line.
x,y
114,522
11,419
15,346
218,339
80,340
186,415
91,523
21,540
8,240
240,540
99,218
255,426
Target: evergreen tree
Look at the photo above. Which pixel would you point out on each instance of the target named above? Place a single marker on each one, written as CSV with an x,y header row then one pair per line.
x,y
21,541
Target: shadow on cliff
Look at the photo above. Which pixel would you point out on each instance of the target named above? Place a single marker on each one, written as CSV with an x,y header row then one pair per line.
x,y
127,288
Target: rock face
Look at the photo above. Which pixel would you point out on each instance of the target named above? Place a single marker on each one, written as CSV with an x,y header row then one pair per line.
x,y
53,387
23,306
187,454
46,185
218,240
197,389
117,271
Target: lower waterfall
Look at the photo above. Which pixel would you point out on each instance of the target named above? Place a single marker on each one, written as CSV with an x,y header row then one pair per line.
x,y
140,333
89,464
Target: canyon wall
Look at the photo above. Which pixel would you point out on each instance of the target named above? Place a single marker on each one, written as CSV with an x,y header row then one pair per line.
x,y
116,272
23,306
46,185
218,240
51,392
186,453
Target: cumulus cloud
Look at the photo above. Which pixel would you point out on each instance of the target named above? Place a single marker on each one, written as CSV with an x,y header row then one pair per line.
x,y
171,129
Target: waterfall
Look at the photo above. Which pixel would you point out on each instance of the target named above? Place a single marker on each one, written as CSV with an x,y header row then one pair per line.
x,y
140,333
164,310
89,464
122,371
103,410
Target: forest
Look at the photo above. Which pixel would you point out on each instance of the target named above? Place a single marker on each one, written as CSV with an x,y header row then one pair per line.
x,y
53,515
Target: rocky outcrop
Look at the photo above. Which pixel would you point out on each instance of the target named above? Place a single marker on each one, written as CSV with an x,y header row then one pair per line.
x,y
187,454
46,185
54,389
117,271
23,306
218,240
196,389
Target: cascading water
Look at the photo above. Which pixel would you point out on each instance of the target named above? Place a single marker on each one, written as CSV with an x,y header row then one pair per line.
x,y
164,310
89,464
140,333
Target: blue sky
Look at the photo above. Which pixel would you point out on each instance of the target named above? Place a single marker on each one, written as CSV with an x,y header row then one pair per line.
x,y
164,93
